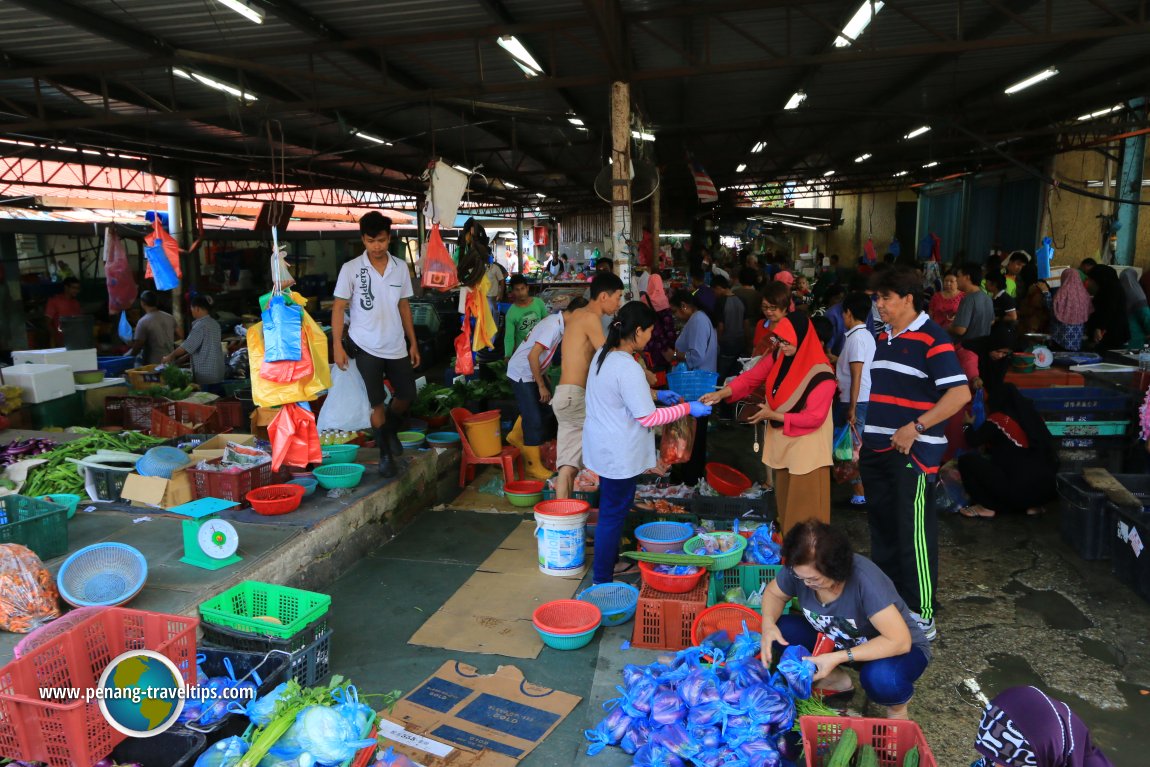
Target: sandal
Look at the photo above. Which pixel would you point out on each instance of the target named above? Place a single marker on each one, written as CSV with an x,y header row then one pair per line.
x,y
629,567
858,500
977,512
841,696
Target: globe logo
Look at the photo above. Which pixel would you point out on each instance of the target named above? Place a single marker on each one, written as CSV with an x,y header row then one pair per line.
x,y
139,693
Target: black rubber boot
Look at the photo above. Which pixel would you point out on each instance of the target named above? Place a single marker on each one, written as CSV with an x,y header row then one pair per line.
x,y
387,468
390,430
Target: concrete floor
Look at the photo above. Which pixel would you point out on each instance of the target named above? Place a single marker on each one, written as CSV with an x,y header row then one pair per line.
x,y
1018,607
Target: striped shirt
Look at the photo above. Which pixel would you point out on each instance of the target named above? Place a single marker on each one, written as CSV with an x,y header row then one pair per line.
x,y
910,373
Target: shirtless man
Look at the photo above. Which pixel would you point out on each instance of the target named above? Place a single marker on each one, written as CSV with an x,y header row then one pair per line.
x,y
582,336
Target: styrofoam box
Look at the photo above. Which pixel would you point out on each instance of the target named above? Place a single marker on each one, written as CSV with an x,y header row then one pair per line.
x,y
80,359
40,383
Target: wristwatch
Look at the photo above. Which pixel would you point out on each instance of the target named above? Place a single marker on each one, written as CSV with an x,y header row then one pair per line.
x,y
919,427
850,655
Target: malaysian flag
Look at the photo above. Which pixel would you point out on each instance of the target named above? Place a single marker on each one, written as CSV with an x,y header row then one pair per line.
x,y
703,183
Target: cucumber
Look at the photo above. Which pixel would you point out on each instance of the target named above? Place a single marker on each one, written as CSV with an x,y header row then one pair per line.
x,y
910,759
845,749
867,757
669,559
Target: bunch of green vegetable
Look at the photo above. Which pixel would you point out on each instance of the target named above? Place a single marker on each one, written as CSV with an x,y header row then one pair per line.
x,y
434,401
58,475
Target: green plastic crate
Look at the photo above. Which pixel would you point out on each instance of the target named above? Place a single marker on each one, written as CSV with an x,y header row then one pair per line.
x,y
37,524
1087,428
242,606
591,496
747,577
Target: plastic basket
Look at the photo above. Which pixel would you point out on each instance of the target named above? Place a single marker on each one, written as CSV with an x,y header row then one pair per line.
x,y
175,419
339,453
747,577
1087,428
244,605
692,384
65,734
567,641
726,480
890,738
590,496
107,481
102,575
616,601
720,507
1086,522
273,500
68,500
567,616
229,485
730,618
308,652
339,475
668,583
266,669
114,367
1105,456
424,315
663,621
1131,532
663,537
132,413
39,525
143,377
176,747
722,561
230,413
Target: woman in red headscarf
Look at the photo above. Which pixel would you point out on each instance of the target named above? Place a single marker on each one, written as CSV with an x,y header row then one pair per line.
x,y
799,387
663,335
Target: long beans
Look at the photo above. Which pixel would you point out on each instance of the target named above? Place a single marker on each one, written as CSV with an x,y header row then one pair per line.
x,y
59,475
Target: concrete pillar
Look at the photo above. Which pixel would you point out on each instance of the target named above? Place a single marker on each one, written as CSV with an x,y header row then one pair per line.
x,y
656,225
622,222
519,237
1130,188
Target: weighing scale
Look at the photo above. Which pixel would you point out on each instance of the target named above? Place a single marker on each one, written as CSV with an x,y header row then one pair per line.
x,y
209,542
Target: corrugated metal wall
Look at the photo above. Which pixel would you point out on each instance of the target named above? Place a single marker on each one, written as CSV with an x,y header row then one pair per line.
x,y
594,226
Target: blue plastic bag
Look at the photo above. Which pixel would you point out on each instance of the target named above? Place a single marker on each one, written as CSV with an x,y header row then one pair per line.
x,y
667,707
609,731
260,710
637,736
326,737
162,270
283,330
654,755
1043,257
350,708
761,548
224,753
676,740
125,329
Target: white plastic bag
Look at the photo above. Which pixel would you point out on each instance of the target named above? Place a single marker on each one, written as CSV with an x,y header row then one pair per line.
x,y
347,407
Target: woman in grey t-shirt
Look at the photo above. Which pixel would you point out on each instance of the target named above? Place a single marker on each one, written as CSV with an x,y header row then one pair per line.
x,y
847,598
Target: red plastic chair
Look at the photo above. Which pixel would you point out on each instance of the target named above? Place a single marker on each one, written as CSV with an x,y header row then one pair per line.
x,y
508,457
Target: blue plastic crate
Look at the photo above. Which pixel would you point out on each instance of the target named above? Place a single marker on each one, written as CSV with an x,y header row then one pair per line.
x,y
114,367
1075,400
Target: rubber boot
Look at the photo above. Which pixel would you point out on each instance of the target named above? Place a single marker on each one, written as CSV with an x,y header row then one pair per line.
x,y
390,430
535,467
515,436
387,468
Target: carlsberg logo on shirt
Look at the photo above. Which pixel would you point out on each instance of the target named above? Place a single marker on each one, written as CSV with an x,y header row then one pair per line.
x,y
367,298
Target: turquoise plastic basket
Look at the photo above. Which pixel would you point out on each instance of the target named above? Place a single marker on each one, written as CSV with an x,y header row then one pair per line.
x,y
339,454
617,601
566,641
336,475
102,575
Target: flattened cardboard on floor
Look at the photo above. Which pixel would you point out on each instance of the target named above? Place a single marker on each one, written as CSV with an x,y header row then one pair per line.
x,y
458,718
491,612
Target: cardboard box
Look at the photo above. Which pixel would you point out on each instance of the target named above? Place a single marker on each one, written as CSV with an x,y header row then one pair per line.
x,y
77,359
214,447
40,383
157,492
261,418
457,718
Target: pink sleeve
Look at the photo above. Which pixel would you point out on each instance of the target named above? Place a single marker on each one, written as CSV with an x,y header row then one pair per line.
x,y
748,382
812,416
664,415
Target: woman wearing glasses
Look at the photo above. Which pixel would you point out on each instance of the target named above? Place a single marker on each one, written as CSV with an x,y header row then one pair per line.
x,y
847,598
1025,727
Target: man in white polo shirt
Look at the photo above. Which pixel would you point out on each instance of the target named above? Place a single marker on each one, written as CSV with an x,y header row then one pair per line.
x,y
376,286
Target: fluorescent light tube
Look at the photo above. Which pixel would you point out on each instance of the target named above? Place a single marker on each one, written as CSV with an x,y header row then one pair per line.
x,y
577,122
931,164
863,157
758,147
509,185
901,173
461,169
828,174
369,137
1101,112
796,98
520,55
858,23
742,167
917,132
254,15
644,136
231,90
1045,74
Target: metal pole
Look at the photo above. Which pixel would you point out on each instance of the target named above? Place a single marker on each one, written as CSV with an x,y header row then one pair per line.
x,y
1130,188
621,178
519,236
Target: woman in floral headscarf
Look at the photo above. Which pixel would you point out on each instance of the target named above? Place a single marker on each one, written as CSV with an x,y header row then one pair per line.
x,y
1071,308
1025,727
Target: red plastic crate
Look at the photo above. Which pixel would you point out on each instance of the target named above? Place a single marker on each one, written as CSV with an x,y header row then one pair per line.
x,y
366,755
663,621
890,738
231,414
76,733
171,419
231,486
133,413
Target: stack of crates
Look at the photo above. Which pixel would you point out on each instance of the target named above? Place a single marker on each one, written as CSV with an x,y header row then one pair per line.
x,y
663,621
1089,424
1130,536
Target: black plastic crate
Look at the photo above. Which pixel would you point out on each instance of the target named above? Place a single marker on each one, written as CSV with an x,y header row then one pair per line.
x,y
1129,560
267,669
173,748
1110,457
1086,520
309,649
723,508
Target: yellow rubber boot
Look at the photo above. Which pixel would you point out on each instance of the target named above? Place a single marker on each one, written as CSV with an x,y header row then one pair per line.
x,y
515,436
535,467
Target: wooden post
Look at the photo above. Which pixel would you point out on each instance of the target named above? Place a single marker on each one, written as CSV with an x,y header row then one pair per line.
x,y
621,218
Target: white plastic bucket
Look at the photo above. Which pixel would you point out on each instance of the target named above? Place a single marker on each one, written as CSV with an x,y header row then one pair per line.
x,y
561,543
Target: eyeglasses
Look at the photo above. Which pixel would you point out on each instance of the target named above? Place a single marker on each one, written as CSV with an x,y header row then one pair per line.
x,y
808,582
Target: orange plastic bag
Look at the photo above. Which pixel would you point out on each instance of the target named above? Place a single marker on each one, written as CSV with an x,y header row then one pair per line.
x,y
160,236
289,371
294,438
437,268
464,361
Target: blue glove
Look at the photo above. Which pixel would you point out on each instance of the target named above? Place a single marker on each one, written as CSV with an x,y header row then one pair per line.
x,y
698,409
668,398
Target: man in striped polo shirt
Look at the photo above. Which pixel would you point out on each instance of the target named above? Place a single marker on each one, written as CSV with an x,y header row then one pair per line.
x,y
916,385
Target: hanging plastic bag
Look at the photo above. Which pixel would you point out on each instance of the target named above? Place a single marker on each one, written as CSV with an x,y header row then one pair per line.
x,y
1044,257
282,330
125,329
847,470
294,438
843,449
436,266
163,256
464,361
28,598
271,394
677,442
347,407
122,288
288,371
279,268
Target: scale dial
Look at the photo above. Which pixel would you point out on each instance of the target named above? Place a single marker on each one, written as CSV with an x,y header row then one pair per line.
x,y
1043,357
218,539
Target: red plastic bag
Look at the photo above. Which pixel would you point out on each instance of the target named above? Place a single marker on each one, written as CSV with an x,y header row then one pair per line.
x,y
288,371
464,360
160,236
122,288
294,438
677,442
437,267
